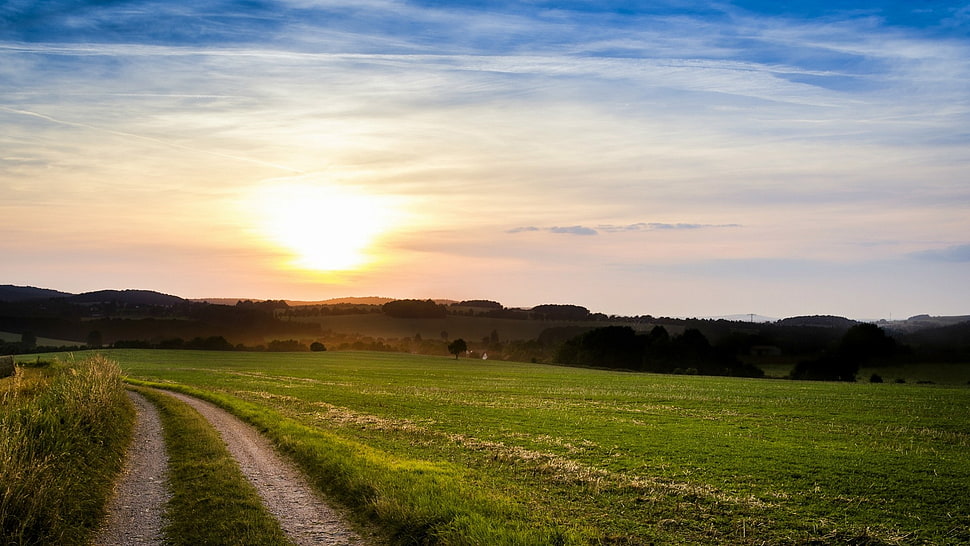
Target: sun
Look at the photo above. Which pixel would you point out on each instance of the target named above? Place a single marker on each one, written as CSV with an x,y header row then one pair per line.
x,y
323,226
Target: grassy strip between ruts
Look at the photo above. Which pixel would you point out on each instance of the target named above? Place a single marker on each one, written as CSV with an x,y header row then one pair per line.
x,y
64,430
212,502
411,501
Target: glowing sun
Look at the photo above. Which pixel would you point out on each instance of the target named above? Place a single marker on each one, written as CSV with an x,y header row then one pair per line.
x,y
324,227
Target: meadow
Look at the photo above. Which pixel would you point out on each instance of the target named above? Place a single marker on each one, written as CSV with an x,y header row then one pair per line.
x,y
434,450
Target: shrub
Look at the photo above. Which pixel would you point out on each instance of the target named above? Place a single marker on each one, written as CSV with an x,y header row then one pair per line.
x,y
875,378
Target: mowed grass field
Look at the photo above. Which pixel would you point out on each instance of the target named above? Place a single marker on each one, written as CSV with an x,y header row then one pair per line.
x,y
487,452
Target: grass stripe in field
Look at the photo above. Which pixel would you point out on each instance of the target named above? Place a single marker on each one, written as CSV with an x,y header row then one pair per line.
x,y
212,502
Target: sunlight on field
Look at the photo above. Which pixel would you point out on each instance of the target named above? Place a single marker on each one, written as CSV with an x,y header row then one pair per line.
x,y
605,457
323,227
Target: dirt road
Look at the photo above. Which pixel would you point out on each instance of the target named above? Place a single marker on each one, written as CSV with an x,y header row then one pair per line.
x,y
287,495
136,514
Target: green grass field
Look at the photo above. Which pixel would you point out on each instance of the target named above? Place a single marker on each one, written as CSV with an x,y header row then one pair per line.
x,y
475,452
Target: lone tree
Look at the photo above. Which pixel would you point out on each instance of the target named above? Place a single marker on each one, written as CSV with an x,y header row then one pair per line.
x,y
457,347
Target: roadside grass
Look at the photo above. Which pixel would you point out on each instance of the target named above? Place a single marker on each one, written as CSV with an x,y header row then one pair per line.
x,y
461,452
212,502
64,429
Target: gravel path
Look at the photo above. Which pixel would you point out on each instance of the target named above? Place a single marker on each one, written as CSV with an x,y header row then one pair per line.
x,y
135,512
305,518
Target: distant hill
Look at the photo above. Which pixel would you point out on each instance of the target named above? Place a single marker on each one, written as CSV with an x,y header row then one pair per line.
x,y
9,292
818,321
925,322
129,297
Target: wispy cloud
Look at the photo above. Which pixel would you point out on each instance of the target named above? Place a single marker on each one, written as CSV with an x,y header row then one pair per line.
x,y
951,254
564,230
775,130
151,140
610,228
573,230
659,226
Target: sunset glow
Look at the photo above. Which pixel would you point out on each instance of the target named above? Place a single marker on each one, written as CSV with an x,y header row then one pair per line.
x,y
324,227
633,157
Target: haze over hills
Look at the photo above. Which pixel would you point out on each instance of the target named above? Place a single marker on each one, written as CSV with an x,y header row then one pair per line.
x,y
745,317
13,293
544,333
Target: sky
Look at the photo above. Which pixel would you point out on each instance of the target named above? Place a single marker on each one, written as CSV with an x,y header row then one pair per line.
x,y
669,158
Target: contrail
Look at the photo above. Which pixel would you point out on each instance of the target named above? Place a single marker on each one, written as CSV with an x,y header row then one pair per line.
x,y
151,140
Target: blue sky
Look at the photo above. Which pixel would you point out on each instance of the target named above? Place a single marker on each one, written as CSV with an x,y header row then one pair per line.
x,y
670,158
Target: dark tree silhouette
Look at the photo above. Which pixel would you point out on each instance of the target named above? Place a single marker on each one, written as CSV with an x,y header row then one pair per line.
x,y
608,347
552,311
457,347
286,346
865,342
620,347
414,309
859,345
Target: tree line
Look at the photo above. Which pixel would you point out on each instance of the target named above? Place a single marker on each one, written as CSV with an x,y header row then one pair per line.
x,y
820,347
621,347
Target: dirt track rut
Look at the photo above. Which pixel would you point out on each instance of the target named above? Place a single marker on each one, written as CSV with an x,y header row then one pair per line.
x,y
135,513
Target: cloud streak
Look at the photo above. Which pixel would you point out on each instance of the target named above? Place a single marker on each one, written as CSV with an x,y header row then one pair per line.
x,y
609,228
950,254
149,140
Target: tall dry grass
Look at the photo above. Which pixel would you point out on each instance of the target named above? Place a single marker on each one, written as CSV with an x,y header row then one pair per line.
x,y
63,435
